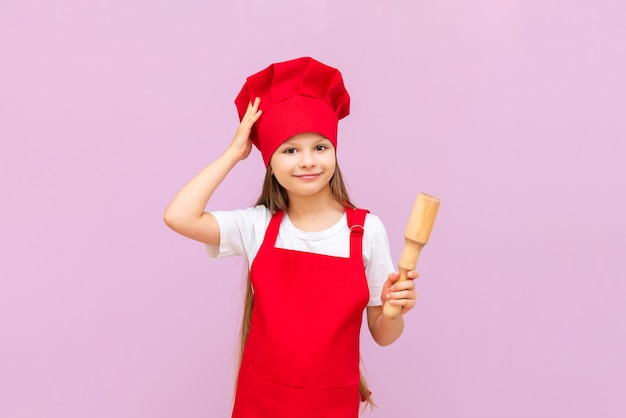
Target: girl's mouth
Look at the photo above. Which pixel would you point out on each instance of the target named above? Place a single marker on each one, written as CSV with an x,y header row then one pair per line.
x,y
311,176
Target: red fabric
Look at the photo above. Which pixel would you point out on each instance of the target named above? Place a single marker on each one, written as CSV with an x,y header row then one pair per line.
x,y
300,95
301,359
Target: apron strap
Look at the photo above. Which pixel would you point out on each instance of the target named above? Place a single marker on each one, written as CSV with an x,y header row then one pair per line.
x,y
271,233
356,222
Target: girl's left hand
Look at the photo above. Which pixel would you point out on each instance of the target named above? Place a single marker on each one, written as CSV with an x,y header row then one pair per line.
x,y
400,293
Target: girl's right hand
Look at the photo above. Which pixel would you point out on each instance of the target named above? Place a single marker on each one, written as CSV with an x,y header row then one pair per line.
x,y
241,144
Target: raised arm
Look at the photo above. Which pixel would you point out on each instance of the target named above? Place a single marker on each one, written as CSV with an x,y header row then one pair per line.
x,y
186,212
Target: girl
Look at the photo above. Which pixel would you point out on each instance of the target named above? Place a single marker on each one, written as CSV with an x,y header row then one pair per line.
x,y
316,262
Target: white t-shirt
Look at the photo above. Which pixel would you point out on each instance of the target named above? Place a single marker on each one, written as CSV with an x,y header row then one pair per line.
x,y
242,232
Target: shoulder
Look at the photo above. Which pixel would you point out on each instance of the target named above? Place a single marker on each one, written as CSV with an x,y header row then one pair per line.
x,y
254,215
374,220
373,225
248,223
375,237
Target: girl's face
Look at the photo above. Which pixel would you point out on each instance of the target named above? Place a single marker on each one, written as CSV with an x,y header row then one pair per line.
x,y
304,164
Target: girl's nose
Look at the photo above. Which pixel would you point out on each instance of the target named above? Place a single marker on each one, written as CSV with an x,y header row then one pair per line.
x,y
307,160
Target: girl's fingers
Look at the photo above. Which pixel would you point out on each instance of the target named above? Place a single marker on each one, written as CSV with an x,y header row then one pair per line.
x,y
253,107
393,277
412,275
402,295
252,112
405,303
404,285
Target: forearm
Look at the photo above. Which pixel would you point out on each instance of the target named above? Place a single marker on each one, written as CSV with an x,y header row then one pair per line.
x,y
385,330
190,202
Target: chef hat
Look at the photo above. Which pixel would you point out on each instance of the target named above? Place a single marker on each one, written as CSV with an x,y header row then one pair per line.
x,y
301,95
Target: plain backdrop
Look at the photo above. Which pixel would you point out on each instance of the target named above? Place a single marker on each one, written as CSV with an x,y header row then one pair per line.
x,y
511,111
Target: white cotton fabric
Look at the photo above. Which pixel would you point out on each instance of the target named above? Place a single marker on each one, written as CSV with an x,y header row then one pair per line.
x,y
242,232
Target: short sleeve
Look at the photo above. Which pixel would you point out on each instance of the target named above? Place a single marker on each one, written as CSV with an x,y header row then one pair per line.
x,y
241,232
376,257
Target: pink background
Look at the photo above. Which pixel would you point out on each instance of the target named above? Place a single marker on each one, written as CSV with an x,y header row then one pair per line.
x,y
512,112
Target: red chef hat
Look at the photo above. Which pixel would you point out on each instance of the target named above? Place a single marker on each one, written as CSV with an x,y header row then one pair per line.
x,y
301,95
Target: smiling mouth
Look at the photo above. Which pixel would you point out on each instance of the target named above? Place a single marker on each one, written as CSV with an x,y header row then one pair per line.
x,y
308,176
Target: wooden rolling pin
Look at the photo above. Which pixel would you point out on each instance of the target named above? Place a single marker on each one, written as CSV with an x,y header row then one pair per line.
x,y
416,236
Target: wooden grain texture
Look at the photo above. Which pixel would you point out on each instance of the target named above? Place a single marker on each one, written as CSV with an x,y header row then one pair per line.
x,y
416,235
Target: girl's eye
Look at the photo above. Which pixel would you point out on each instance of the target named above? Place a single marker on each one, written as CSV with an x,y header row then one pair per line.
x,y
289,151
321,148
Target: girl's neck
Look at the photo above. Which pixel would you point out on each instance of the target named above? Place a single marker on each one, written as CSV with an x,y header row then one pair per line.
x,y
315,213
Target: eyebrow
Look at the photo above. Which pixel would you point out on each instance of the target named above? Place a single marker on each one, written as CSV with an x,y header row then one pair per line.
x,y
288,143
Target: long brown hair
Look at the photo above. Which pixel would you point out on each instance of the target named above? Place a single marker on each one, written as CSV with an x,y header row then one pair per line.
x,y
274,197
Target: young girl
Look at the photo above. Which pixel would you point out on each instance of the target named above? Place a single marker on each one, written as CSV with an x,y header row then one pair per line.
x,y
316,262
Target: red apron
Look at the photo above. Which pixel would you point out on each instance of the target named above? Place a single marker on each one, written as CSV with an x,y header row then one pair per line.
x,y
301,359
